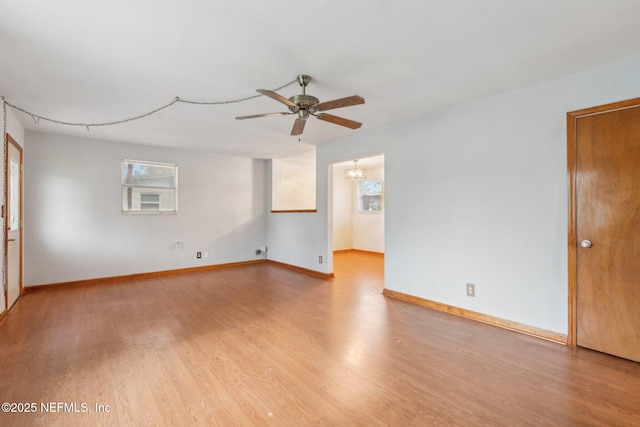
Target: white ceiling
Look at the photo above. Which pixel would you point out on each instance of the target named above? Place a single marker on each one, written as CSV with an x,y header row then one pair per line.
x,y
106,60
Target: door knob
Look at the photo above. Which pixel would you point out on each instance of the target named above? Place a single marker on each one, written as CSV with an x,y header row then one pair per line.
x,y
585,243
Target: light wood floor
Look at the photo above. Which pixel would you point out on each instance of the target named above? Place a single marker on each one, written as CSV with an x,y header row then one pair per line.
x,y
263,345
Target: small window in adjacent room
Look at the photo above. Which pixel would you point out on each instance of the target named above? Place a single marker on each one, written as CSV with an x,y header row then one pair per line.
x,y
149,187
370,196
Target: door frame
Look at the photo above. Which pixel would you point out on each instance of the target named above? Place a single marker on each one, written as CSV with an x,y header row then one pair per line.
x,y
10,140
330,205
572,141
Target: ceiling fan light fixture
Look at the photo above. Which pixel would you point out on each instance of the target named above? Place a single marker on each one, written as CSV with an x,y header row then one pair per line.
x,y
355,173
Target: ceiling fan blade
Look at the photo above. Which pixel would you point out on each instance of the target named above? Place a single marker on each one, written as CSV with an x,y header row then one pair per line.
x,y
339,121
262,115
277,97
298,126
339,103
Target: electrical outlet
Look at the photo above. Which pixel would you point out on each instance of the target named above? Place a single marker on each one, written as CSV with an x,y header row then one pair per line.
x,y
471,290
198,255
319,259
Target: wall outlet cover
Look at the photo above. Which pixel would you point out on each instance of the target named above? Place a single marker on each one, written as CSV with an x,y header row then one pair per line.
x,y
471,290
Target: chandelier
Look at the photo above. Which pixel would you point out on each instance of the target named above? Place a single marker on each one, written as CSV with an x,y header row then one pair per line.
x,y
355,173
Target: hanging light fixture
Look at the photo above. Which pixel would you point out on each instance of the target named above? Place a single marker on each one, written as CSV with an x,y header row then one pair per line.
x,y
355,173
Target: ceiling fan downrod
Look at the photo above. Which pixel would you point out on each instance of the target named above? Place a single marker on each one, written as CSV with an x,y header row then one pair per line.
x,y
304,80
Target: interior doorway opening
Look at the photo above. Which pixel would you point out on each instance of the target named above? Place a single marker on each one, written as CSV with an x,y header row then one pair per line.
x,y
358,205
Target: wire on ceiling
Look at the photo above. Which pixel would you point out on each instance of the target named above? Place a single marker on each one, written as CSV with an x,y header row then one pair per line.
x,y
36,117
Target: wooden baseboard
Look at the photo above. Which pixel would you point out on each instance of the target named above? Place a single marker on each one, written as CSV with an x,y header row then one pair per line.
x,y
484,318
302,270
346,251
295,211
116,279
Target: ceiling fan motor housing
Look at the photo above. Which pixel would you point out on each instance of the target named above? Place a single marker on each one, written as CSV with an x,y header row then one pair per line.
x,y
304,102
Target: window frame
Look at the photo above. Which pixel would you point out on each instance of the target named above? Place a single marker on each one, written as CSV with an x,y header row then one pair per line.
x,y
361,196
126,206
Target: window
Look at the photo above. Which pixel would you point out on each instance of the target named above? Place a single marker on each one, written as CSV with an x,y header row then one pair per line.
x,y
14,195
370,196
149,187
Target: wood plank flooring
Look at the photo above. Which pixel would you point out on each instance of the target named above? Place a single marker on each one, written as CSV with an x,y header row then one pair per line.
x,y
267,346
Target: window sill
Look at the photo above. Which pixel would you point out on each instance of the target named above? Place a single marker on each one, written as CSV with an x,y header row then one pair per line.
x,y
149,212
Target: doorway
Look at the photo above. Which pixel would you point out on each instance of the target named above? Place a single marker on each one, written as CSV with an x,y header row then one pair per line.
x,y
358,206
604,228
13,218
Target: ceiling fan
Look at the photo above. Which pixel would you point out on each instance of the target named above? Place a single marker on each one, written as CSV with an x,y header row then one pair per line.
x,y
304,105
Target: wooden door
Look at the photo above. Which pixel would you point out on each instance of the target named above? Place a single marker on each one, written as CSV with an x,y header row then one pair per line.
x,y
606,228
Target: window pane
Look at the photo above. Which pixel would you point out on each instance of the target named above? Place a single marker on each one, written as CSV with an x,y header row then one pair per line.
x,y
14,195
149,201
371,203
371,188
370,196
154,198
149,187
148,174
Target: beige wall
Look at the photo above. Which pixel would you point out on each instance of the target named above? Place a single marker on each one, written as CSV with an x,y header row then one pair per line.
x,y
294,182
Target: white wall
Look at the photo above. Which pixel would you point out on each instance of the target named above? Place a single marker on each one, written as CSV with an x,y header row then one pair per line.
x,y
16,130
489,207
294,242
74,228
